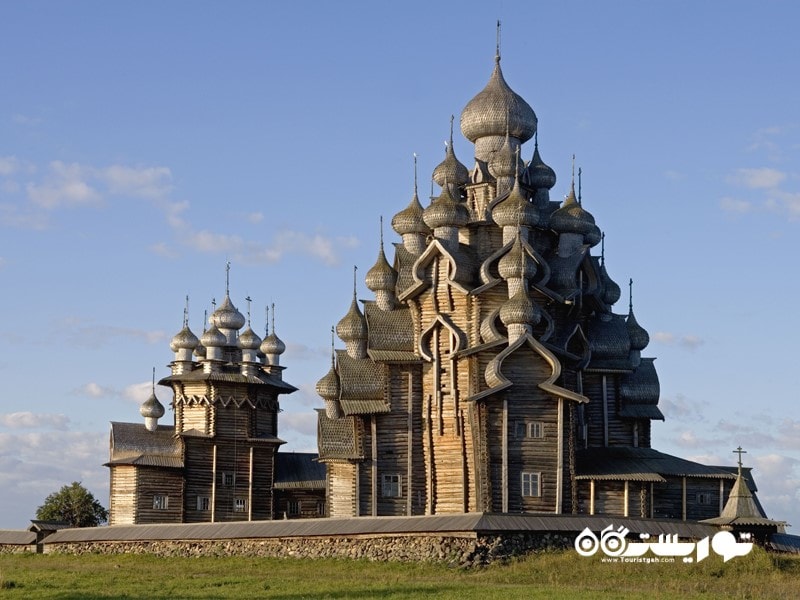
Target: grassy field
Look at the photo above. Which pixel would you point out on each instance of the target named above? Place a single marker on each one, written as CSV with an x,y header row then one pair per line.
x,y
550,575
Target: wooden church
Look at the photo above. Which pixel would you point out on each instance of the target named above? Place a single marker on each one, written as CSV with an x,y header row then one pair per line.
x,y
491,372
219,460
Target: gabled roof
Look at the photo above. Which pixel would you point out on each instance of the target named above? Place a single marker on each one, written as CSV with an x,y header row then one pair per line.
x,y
134,444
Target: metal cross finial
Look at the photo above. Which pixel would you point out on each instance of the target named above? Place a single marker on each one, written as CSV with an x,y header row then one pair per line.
x,y
739,451
154,380
630,294
186,312
248,300
333,353
602,248
273,317
381,232
452,118
580,171
355,268
227,277
205,320
415,173
497,49
266,321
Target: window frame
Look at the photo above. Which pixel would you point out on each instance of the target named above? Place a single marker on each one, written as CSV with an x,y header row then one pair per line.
x,y
160,501
527,479
391,485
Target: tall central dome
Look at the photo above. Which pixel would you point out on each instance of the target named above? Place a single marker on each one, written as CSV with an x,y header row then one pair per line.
x,y
495,111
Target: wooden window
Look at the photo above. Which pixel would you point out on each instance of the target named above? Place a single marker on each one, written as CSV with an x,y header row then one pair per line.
x,y
228,479
239,504
704,497
536,430
529,430
321,508
160,502
532,484
391,486
203,503
293,508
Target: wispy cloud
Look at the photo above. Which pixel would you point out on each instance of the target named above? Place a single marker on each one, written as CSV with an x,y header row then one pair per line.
x,y
758,178
689,341
64,185
29,420
735,205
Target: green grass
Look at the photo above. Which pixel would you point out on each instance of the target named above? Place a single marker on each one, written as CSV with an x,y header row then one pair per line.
x,y
549,575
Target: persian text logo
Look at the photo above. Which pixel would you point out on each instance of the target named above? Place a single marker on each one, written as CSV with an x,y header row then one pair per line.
x,y
614,543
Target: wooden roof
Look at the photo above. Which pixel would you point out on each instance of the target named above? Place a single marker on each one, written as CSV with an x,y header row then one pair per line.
x,y
622,463
133,444
466,524
298,470
17,537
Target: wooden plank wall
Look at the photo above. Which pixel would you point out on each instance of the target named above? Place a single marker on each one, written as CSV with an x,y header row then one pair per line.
x,y
122,504
342,496
153,481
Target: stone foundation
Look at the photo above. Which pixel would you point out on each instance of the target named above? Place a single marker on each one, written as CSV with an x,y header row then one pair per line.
x,y
457,550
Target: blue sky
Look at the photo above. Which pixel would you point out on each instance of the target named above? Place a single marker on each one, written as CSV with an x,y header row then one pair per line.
x,y
144,144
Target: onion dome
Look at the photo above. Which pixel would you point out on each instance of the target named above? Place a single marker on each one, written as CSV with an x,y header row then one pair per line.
x,y
409,220
213,338
520,310
611,291
638,334
381,277
329,387
445,211
249,340
152,408
272,344
497,109
450,170
539,174
515,210
227,316
352,326
516,264
572,218
184,340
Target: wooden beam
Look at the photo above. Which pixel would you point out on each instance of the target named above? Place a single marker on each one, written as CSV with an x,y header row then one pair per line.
x,y
683,498
504,467
250,488
591,496
560,458
605,412
374,469
410,444
213,482
625,500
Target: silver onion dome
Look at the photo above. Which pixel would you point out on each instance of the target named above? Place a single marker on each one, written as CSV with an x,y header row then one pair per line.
x,y
227,316
497,109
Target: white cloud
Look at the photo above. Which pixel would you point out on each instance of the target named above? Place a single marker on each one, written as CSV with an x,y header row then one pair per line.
x,y
65,185
29,420
142,182
683,409
758,178
95,390
689,341
8,165
255,217
735,205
